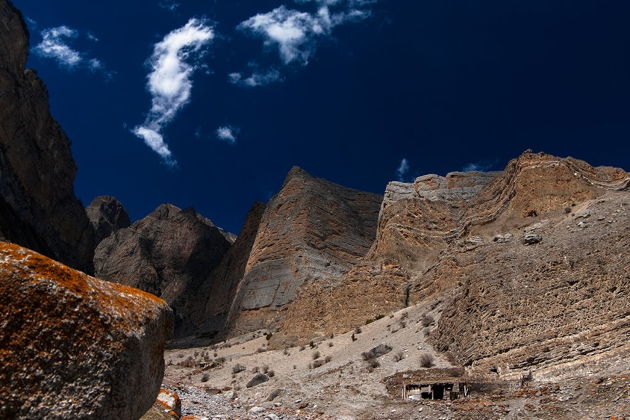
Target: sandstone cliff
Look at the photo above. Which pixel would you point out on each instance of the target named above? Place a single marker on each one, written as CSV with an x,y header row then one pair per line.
x,y
312,232
435,233
169,253
74,346
106,215
38,208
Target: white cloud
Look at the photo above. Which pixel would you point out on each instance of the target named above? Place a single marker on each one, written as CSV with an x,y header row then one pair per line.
x,y
55,45
482,166
169,82
403,169
295,33
257,78
227,134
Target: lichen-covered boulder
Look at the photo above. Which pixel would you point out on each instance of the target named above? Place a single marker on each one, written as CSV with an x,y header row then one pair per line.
x,y
72,346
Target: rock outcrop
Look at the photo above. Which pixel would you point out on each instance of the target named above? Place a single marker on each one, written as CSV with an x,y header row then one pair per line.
x,y
312,232
74,346
38,208
107,215
211,305
434,233
169,253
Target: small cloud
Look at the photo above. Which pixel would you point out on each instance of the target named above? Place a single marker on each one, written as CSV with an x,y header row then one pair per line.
x,y
481,166
257,78
55,45
227,134
92,37
295,33
170,83
31,23
403,169
169,5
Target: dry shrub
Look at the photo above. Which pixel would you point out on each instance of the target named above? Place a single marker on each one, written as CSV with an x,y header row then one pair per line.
x,y
426,360
427,320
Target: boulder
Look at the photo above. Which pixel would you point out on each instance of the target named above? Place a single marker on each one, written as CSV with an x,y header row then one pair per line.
x,y
106,215
532,238
74,346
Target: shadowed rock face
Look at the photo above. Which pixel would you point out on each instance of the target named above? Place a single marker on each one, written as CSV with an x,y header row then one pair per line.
x,y
212,303
312,231
437,234
106,215
74,346
38,208
169,253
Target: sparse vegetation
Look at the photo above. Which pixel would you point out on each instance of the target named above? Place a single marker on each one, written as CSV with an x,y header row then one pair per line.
x,y
237,368
426,360
327,359
318,363
377,351
427,320
353,337
357,330
398,356
205,377
316,355
302,348
260,350
373,364
330,344
274,394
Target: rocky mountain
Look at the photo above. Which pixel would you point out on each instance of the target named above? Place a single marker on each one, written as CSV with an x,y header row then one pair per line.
x,y
106,215
169,253
38,208
311,232
434,233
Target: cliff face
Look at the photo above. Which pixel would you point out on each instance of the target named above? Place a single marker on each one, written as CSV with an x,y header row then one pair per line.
x,y
106,215
38,208
312,232
168,253
436,233
212,303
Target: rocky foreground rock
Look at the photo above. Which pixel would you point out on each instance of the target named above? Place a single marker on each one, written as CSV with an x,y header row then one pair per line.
x,y
38,208
169,253
74,346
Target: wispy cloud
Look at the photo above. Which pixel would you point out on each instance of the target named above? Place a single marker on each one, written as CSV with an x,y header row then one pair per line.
x,y
481,166
257,78
170,5
173,63
55,44
227,134
403,169
296,33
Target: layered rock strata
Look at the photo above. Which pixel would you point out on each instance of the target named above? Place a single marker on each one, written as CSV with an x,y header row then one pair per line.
x,y
312,232
429,230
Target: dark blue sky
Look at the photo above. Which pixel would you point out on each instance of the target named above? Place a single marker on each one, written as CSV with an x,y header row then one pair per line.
x,y
443,84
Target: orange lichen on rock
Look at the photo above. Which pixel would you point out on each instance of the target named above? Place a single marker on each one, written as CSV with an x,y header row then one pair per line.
x,y
73,344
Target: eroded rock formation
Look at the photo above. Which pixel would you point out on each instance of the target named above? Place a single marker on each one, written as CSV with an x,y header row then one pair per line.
x,y
169,253
38,208
74,346
312,232
438,234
